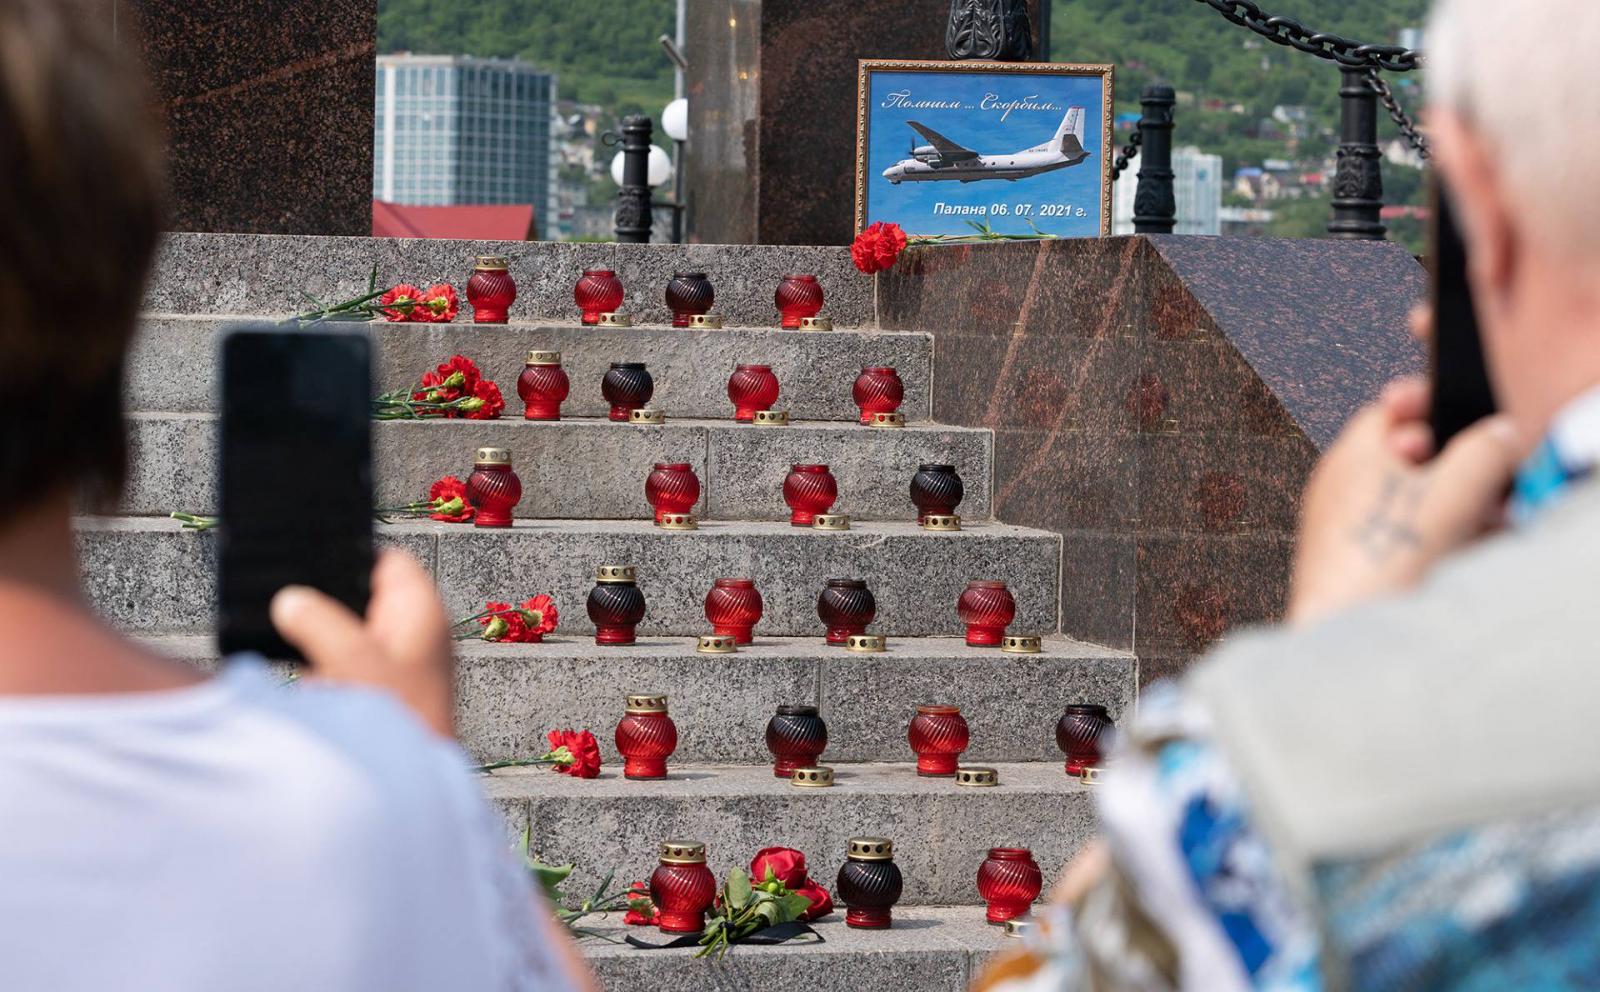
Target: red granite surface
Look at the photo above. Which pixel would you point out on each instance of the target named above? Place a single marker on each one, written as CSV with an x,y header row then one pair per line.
x,y
1159,402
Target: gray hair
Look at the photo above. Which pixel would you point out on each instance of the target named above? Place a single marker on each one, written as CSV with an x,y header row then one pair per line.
x,y
1523,73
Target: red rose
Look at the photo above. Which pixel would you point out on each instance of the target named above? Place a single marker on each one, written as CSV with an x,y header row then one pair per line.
x,y
438,305
581,745
787,865
444,494
399,302
821,901
490,402
539,616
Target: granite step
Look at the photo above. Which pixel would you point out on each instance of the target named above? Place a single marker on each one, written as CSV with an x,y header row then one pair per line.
x,y
941,831
148,575
268,273
596,469
929,949
510,695
173,363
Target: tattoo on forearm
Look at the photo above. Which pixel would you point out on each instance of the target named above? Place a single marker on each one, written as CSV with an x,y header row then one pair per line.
x,y
1391,525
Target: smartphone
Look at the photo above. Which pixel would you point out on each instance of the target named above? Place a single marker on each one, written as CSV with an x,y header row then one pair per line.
x,y
1461,392
296,475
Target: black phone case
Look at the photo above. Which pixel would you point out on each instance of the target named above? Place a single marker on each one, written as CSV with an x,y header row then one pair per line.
x,y
296,476
1461,391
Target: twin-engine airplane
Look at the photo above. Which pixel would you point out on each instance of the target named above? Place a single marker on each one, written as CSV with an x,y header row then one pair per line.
x,y
942,158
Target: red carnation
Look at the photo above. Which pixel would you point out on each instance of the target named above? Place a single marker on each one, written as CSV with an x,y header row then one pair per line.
x,y
503,624
449,498
486,402
878,247
786,864
400,302
585,753
539,616
641,911
438,305
466,366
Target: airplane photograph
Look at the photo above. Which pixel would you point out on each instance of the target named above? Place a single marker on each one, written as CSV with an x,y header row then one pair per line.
x,y
1043,128
942,158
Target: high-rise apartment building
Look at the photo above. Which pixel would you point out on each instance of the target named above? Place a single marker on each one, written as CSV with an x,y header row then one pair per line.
x,y
452,129
1197,187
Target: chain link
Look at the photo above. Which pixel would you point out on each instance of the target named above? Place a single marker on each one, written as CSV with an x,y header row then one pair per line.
x,y
1287,31
1125,157
1397,113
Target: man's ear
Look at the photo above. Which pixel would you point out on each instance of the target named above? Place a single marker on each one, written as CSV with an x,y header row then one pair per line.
x,y
1480,200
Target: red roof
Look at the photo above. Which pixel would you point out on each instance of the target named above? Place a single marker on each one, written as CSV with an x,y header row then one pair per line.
x,y
472,222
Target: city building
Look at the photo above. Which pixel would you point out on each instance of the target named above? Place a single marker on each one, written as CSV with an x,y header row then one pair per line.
x,y
451,129
1198,185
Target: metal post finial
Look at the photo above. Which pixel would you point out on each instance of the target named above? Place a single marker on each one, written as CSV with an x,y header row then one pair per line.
x,y
634,215
1155,204
1358,179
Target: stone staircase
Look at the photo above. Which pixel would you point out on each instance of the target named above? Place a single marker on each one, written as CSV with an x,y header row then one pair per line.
x,y
584,506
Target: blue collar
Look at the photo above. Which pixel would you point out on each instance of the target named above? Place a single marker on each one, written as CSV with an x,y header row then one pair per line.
x,y
1569,453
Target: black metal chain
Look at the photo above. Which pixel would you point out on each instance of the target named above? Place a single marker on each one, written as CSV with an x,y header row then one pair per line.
x,y
1287,31
1125,157
1397,113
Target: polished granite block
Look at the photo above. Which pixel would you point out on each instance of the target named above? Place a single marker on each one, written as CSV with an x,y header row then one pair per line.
x,y
1221,484
772,105
1090,479
1158,401
1099,586
268,110
1192,589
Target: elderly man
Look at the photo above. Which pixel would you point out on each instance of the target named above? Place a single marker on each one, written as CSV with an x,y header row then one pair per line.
x,y
1401,788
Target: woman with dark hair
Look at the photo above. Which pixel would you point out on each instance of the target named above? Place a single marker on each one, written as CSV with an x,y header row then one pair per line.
x,y
160,829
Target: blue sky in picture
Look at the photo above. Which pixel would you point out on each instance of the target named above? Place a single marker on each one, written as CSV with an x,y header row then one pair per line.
x,y
992,114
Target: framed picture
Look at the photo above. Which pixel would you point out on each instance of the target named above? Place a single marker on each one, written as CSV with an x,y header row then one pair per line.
x,y
1021,147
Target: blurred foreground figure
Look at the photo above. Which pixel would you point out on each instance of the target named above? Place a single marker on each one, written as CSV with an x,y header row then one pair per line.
x,y
1401,789
161,830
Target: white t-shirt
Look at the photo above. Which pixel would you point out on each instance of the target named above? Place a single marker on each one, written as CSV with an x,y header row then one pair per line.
x,y
239,835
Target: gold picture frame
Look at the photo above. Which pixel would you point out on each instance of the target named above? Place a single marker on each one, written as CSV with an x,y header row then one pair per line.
x,y
973,166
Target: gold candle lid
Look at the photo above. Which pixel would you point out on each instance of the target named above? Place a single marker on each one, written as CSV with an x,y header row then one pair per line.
x,y
490,263
1022,644
615,573
976,777
492,456
647,415
771,418
941,522
647,703
817,323
543,358
716,644
867,643
820,777
871,849
893,418
1018,928
1093,776
706,321
831,521
678,521
683,852
614,320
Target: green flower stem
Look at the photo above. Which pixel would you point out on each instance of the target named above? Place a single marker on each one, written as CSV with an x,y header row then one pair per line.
x,y
560,756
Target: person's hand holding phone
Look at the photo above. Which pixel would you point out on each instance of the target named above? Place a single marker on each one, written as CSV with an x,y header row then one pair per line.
x,y
1380,510
402,645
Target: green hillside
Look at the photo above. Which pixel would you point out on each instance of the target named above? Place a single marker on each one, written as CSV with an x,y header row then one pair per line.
x,y
604,51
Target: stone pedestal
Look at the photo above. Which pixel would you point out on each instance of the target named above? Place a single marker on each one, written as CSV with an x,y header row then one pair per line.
x,y
268,105
772,110
1159,402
